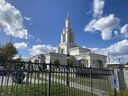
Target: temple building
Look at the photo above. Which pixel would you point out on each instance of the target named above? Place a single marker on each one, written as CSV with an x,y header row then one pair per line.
x,y
68,47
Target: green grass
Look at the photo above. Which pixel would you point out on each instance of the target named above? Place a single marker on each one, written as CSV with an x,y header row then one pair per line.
x,y
100,83
125,93
41,90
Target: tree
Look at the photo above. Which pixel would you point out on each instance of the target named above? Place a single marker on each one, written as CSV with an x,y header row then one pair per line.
x,y
127,63
56,62
71,61
84,62
19,59
7,52
36,61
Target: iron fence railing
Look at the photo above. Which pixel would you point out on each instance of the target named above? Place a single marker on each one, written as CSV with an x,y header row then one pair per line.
x,y
40,79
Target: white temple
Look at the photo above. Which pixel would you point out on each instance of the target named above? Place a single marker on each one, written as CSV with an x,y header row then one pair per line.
x,y
68,46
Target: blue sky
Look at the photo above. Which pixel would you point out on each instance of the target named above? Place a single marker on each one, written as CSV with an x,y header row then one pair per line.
x,y
42,21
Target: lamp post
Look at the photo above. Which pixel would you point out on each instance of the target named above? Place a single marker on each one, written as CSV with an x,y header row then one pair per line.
x,y
67,82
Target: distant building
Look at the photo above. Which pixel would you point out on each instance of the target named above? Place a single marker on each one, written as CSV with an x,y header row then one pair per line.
x,y
68,46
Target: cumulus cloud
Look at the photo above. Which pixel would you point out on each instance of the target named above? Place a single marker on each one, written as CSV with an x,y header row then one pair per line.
x,y
41,49
120,48
20,45
124,30
98,6
117,50
38,40
27,18
105,25
11,20
109,26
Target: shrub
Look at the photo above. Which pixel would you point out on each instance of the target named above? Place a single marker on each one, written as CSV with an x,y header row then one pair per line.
x,y
56,63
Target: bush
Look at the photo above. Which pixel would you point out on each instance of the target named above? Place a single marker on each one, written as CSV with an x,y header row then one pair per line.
x,y
56,63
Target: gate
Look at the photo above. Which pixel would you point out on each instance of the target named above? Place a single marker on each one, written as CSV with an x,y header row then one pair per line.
x,y
40,79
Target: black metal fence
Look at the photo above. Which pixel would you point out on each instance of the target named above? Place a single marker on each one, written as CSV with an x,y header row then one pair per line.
x,y
40,79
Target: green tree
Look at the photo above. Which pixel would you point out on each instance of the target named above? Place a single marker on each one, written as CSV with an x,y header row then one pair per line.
x,y
71,61
7,52
19,59
36,61
84,62
56,62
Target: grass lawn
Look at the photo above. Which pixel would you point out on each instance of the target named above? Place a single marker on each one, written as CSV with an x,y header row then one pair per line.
x,y
125,93
100,83
41,90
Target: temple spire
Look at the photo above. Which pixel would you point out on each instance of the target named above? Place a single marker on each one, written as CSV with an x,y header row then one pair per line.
x,y
67,16
67,22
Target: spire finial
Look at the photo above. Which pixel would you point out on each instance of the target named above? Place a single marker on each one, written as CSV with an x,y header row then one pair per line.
x,y
67,15
67,21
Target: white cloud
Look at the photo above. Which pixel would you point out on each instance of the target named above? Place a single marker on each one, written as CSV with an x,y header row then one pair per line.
x,y
84,47
41,49
117,50
90,26
11,20
109,26
38,40
27,18
120,48
20,45
31,36
98,6
106,25
124,30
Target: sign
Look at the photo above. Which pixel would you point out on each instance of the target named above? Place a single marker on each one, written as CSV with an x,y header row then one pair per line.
x,y
114,80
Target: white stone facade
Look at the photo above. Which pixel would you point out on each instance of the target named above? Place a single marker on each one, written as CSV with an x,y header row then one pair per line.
x,y
51,57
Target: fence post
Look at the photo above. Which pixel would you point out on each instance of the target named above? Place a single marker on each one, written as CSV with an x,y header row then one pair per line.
x,y
91,80
121,80
67,82
27,79
49,80
115,93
